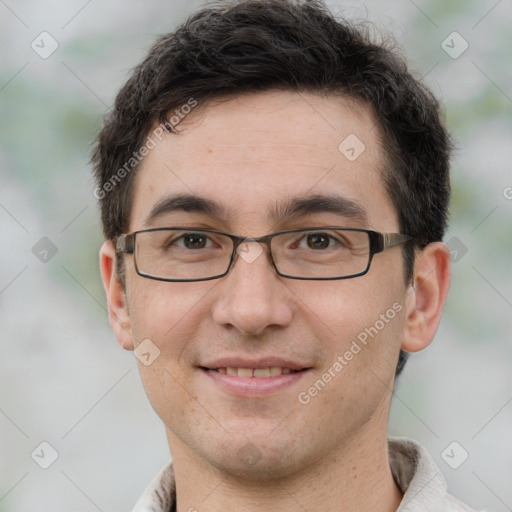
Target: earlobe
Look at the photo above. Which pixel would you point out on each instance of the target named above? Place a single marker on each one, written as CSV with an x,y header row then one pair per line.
x,y
118,313
426,296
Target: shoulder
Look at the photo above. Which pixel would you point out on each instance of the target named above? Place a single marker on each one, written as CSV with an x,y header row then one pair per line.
x,y
419,479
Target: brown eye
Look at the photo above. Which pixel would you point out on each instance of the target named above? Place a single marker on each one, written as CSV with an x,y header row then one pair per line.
x,y
194,241
318,241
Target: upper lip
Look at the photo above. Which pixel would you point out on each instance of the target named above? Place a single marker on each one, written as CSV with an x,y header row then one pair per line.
x,y
244,362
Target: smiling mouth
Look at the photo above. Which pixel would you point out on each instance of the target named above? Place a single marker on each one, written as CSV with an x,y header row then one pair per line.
x,y
271,371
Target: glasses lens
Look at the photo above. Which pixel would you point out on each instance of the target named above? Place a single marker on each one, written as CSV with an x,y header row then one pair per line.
x,y
321,253
182,254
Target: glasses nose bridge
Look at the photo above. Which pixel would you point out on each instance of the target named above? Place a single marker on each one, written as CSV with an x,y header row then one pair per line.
x,y
239,241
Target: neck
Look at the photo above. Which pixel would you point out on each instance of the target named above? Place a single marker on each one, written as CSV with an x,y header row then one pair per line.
x,y
355,477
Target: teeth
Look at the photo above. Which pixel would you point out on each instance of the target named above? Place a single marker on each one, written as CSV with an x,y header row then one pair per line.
x,y
245,372
275,370
272,371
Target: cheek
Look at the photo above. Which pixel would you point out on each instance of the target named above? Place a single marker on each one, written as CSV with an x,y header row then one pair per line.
x,y
165,319
170,396
348,307
360,331
357,323
166,313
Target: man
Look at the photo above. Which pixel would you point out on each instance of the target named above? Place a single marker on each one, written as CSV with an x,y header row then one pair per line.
x,y
274,191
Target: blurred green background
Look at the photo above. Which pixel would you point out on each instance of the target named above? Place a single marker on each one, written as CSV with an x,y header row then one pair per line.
x,y
63,377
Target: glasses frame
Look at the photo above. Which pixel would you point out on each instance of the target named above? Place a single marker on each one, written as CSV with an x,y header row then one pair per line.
x,y
379,242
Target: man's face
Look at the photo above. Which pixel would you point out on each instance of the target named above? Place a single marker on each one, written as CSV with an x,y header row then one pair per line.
x,y
252,155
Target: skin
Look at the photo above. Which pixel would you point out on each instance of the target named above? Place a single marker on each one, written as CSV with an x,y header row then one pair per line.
x,y
249,153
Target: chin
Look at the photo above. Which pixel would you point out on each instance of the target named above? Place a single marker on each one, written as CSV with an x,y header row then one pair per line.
x,y
259,460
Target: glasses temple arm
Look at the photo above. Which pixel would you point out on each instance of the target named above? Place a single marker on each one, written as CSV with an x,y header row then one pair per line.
x,y
125,243
393,239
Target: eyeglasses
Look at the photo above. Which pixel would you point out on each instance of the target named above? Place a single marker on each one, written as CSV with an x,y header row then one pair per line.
x,y
196,254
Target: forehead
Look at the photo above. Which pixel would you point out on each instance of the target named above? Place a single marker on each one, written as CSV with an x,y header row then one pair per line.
x,y
254,154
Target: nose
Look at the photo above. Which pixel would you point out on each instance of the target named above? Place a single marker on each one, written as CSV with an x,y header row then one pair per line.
x,y
252,297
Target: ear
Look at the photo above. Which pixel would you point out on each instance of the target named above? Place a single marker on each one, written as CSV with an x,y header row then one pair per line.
x,y
118,313
426,296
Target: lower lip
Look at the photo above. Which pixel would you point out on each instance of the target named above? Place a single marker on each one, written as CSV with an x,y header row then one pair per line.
x,y
254,386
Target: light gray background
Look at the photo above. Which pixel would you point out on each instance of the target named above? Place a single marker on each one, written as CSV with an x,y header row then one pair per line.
x,y
64,378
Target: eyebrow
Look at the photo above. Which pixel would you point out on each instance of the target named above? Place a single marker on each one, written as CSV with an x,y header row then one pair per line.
x,y
186,203
285,210
319,203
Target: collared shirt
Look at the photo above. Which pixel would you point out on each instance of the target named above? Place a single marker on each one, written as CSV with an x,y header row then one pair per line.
x,y
414,471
